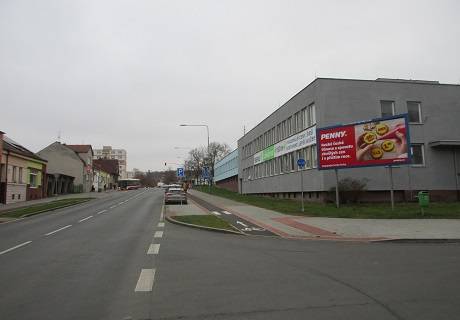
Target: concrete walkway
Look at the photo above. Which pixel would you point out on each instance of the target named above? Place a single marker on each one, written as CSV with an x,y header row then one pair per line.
x,y
344,229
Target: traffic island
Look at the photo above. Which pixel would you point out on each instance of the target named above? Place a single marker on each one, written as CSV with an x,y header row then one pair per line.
x,y
40,208
206,222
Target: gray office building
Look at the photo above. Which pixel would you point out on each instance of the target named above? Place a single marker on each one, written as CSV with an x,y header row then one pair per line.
x,y
434,121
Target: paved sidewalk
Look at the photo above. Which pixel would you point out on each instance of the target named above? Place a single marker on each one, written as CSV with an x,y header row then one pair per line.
x,y
12,206
338,228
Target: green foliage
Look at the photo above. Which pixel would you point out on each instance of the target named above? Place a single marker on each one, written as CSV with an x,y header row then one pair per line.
x,y
362,210
350,190
43,207
206,221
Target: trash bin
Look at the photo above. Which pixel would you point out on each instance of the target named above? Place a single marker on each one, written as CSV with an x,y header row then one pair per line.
x,y
423,198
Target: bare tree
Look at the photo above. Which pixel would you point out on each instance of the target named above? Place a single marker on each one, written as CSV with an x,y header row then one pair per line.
x,y
201,157
217,151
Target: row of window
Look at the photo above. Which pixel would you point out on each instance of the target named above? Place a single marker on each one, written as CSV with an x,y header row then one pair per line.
x,y
414,110
288,162
16,175
284,164
227,166
301,120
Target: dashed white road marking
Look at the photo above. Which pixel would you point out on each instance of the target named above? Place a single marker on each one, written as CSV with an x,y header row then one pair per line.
x,y
226,212
114,206
216,213
60,229
101,212
15,247
120,203
84,219
158,234
154,248
161,224
145,282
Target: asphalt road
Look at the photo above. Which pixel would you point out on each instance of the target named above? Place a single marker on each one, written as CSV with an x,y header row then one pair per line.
x,y
121,264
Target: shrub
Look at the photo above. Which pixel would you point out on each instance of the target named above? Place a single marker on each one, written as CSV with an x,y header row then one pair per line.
x,y
350,190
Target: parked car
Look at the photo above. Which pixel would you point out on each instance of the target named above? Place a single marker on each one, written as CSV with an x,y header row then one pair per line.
x,y
175,195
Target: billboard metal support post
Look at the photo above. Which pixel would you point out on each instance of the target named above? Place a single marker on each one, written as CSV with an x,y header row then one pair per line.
x,y
337,199
392,196
301,188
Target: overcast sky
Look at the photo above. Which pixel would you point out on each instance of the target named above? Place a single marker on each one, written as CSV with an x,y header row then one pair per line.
x,y
127,73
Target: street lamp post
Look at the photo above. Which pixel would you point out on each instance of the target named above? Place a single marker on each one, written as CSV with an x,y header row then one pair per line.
x,y
207,130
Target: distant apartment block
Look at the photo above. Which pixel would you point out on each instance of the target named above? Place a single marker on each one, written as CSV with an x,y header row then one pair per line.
x,y
107,152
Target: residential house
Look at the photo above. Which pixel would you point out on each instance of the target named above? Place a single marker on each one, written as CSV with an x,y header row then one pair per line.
x,y
107,171
85,152
67,169
22,173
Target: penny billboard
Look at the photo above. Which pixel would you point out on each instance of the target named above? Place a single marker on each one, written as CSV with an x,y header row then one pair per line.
x,y
377,142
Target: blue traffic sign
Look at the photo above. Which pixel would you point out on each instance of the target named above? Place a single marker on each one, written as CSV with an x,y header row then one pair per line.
x,y
205,172
180,172
301,163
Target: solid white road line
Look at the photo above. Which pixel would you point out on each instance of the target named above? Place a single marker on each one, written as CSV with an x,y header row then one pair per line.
x,y
84,219
226,212
161,224
101,212
145,282
216,213
162,213
15,247
154,248
60,229
158,234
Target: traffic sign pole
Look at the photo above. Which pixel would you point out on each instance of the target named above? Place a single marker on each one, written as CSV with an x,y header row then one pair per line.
x,y
301,164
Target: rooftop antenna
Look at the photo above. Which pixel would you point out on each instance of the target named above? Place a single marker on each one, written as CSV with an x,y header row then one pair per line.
x,y
244,130
59,136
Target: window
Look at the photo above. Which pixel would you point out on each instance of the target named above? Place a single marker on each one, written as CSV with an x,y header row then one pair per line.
x,y
20,180
418,154
387,107
289,127
308,157
314,157
414,111
312,114
33,179
15,177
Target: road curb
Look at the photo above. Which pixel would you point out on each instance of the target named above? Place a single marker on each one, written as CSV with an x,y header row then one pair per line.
x,y
172,220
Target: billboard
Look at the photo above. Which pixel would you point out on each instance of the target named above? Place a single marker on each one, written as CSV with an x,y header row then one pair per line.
x,y
377,142
296,142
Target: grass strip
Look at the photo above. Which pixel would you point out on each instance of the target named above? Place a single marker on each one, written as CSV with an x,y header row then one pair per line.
x,y
43,207
404,210
205,221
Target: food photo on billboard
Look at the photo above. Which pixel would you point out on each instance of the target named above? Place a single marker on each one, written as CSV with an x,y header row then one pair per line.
x,y
377,142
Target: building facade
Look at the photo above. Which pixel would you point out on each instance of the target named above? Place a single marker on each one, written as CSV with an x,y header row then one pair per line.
x,y
107,174
71,172
85,152
433,110
226,172
117,154
22,173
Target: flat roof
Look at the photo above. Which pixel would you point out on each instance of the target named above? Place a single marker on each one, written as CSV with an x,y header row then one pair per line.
x,y
388,80
444,143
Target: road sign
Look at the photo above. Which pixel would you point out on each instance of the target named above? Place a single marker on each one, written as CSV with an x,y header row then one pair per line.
x,y
180,172
205,172
301,163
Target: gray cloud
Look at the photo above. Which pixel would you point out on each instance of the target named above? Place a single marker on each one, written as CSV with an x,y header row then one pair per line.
x,y
127,73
